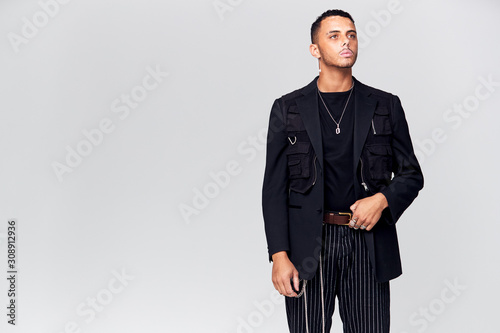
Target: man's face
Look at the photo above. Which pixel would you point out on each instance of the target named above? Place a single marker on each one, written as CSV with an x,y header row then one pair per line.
x,y
337,42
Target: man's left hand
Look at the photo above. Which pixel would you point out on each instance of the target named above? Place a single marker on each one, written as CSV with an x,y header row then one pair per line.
x,y
366,212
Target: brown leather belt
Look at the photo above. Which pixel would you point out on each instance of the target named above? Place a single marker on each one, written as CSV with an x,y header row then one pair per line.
x,y
338,218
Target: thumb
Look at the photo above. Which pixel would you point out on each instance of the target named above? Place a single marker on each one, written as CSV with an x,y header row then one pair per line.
x,y
354,206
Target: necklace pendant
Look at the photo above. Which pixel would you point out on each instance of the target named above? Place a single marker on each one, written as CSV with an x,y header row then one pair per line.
x,y
337,131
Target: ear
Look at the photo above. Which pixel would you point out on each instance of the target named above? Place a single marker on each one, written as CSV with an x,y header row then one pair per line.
x,y
313,48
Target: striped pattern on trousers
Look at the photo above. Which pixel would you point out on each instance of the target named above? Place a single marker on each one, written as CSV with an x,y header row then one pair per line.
x,y
346,271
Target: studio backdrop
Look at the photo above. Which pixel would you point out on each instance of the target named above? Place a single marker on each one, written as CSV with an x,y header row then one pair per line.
x,y
132,145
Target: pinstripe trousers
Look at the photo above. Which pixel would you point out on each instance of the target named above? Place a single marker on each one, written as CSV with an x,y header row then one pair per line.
x,y
346,274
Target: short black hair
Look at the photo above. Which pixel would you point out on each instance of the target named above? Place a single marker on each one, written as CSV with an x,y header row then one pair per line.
x,y
332,12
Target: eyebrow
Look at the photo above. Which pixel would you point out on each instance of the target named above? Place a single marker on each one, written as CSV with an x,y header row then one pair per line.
x,y
333,31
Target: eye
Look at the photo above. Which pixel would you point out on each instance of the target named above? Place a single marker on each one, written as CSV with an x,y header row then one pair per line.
x,y
334,36
353,36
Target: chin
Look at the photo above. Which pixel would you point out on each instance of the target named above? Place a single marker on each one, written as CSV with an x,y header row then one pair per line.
x,y
349,65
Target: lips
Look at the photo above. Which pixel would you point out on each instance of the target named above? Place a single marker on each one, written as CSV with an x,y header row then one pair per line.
x,y
346,53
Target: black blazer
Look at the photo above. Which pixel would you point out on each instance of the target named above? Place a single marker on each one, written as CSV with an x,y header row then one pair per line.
x,y
293,195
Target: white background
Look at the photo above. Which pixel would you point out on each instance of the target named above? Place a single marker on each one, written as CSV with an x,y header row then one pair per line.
x,y
119,210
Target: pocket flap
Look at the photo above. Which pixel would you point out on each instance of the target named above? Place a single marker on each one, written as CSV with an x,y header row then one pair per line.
x,y
299,148
380,150
381,110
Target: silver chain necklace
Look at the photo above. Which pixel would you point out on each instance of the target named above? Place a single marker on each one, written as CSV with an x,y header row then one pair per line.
x,y
337,130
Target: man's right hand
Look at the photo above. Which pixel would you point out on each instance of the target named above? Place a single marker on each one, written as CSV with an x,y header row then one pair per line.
x,y
283,271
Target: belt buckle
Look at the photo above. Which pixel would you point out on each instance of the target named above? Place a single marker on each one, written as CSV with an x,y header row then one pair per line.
x,y
348,214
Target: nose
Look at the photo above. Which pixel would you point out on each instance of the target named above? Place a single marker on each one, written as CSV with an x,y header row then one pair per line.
x,y
345,42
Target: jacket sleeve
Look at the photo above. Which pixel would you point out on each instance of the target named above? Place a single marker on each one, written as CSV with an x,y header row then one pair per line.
x,y
274,189
408,179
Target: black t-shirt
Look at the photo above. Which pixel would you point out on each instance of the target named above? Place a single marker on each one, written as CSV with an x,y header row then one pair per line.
x,y
338,150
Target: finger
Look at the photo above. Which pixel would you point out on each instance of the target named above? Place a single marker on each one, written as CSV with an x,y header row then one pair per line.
x,y
353,222
278,285
288,288
275,283
359,222
296,281
281,288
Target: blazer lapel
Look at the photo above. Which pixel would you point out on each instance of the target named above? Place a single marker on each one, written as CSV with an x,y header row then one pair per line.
x,y
308,109
364,107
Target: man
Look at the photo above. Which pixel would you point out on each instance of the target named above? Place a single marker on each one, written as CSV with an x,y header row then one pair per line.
x,y
340,171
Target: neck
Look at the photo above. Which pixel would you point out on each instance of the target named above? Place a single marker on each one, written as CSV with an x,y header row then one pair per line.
x,y
335,80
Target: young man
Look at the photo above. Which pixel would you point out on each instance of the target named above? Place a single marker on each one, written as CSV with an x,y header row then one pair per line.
x,y
340,171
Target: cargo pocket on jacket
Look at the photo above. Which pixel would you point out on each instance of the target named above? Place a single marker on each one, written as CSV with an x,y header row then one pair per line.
x,y
300,166
380,161
294,168
381,124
